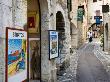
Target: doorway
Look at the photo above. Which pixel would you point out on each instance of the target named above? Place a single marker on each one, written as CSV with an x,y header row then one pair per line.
x,y
33,15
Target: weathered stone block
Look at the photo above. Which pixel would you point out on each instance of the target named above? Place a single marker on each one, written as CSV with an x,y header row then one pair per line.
x,y
7,16
6,2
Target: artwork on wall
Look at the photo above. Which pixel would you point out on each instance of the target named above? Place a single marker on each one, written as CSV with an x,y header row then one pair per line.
x,y
16,55
33,22
53,44
34,53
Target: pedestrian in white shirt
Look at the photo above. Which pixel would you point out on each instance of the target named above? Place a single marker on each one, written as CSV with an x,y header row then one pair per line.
x,y
90,36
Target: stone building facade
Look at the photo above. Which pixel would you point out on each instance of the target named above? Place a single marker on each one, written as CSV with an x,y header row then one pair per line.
x,y
106,24
78,27
93,9
83,25
13,13
73,24
95,17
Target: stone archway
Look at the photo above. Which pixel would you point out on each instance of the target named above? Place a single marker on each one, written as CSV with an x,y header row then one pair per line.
x,y
42,9
60,27
33,16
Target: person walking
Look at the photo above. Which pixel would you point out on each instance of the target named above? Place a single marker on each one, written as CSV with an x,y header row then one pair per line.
x,y
90,36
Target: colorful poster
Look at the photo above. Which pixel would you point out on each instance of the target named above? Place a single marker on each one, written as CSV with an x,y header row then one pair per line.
x,y
16,55
53,44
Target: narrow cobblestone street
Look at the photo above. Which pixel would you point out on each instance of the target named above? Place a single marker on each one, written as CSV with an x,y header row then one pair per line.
x,y
90,68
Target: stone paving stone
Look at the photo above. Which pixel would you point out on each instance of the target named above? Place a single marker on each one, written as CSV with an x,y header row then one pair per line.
x,y
103,57
70,74
90,69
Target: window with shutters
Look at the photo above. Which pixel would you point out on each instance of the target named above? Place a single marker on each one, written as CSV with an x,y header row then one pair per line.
x,y
69,5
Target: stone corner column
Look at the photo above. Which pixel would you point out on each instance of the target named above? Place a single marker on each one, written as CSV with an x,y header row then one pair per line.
x,y
48,67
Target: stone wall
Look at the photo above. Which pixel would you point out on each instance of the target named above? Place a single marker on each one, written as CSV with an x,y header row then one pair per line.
x,y
106,33
13,13
106,19
6,17
74,27
73,13
48,18
82,25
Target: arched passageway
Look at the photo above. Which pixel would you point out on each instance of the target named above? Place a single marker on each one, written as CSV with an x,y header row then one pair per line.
x,y
33,17
60,24
60,27
38,56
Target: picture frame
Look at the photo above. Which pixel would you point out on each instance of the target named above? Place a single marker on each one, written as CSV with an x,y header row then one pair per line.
x,y
34,48
33,22
53,44
16,67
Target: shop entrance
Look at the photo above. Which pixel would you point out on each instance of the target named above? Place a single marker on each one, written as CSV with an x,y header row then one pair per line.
x,y
33,15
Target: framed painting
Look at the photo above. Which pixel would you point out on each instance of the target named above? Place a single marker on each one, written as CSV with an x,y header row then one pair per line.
x,y
53,44
34,58
33,22
16,55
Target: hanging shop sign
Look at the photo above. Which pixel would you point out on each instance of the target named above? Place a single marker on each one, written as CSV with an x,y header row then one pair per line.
x,y
97,17
16,55
98,21
53,44
80,14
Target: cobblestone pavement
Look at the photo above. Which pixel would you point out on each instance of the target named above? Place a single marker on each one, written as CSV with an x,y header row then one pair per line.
x,y
69,75
90,68
88,64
